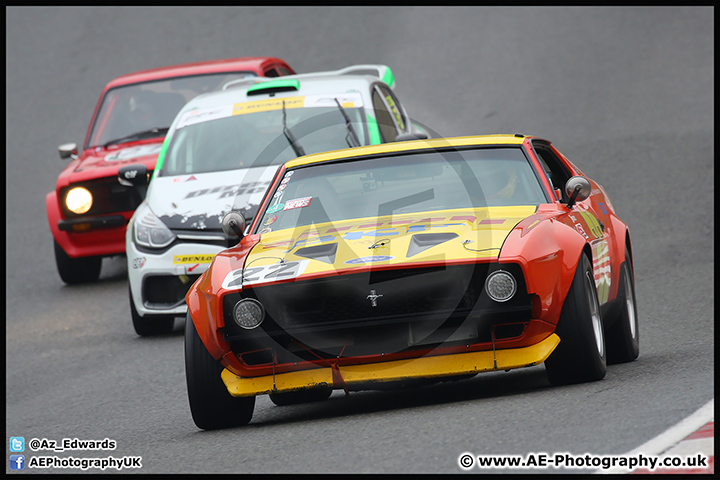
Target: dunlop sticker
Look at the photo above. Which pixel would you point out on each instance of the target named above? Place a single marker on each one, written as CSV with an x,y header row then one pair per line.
x,y
184,259
268,105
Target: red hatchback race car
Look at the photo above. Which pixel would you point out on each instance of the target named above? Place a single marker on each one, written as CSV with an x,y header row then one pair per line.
x,y
88,211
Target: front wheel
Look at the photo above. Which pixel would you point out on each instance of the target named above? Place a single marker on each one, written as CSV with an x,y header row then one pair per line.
x,y
146,327
623,336
76,270
580,356
211,406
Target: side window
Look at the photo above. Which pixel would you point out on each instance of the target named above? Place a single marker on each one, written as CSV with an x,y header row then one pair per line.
x,y
393,105
554,168
282,71
271,73
386,125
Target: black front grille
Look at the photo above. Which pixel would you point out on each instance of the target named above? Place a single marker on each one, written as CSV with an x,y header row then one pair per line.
x,y
205,237
382,310
166,291
108,197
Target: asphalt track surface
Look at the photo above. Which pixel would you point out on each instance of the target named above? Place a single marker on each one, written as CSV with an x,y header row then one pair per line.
x,y
625,93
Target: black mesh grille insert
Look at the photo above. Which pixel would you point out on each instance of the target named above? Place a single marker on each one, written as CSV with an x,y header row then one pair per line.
x,y
381,311
164,291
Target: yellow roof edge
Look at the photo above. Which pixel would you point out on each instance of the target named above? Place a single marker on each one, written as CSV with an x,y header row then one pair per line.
x,y
394,147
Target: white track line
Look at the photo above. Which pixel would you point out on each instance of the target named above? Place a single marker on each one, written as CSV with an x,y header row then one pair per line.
x,y
671,436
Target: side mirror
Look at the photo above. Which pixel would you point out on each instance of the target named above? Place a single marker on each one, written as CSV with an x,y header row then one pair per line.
x,y
68,150
233,224
410,136
578,189
135,176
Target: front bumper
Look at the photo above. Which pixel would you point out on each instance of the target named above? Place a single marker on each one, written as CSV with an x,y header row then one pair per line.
x,y
364,376
158,283
91,223
101,235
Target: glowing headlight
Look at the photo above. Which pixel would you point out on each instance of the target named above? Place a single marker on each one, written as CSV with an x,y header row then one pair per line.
x,y
150,231
79,200
500,286
248,313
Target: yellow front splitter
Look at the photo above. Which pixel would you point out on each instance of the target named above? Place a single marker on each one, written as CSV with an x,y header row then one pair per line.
x,y
415,368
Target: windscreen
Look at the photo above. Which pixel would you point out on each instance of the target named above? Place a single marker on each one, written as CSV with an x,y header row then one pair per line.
x,y
398,184
270,137
143,107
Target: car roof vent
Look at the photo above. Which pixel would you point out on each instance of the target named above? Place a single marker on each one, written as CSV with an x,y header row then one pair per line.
x,y
274,86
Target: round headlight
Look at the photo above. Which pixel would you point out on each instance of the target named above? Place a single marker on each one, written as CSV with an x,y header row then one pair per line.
x,y
79,200
500,286
248,313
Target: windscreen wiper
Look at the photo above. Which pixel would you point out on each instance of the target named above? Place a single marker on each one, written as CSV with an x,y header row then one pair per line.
x,y
349,127
291,138
152,132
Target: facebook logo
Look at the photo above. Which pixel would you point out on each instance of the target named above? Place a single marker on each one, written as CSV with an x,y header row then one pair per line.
x,y
17,462
17,444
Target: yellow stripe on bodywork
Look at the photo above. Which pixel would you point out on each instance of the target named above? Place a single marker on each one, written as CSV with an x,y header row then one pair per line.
x,y
416,368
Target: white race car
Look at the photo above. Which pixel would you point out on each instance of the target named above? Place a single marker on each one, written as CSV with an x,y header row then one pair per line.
x,y
221,153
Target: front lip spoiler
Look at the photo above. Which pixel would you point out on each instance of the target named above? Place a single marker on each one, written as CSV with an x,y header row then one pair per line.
x,y
349,376
93,223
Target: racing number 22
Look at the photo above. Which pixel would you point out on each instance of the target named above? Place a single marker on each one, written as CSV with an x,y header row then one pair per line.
x,y
276,271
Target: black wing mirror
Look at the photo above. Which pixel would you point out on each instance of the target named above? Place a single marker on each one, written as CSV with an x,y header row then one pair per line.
x,y
233,224
135,176
578,189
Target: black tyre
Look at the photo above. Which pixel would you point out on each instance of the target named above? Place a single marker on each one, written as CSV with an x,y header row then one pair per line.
x,y
300,396
580,356
211,405
623,334
76,270
149,326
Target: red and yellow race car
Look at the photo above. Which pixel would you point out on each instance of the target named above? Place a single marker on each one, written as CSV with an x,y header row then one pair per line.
x,y
89,210
411,262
